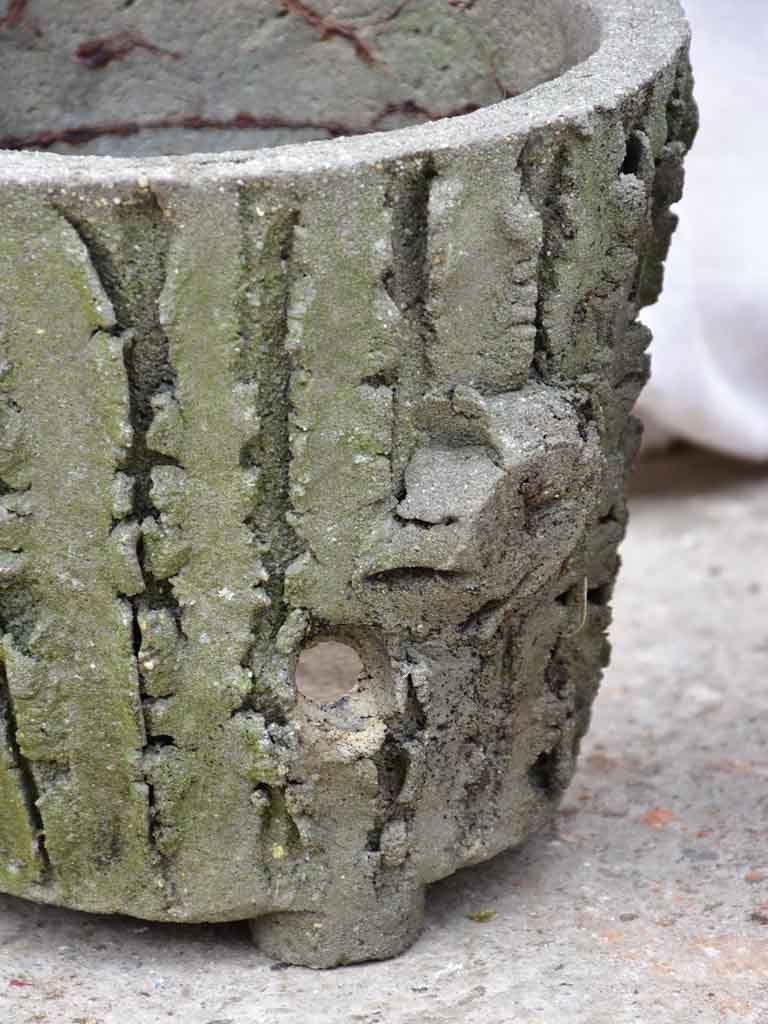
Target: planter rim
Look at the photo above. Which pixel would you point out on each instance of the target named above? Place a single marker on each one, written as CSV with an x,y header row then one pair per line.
x,y
638,38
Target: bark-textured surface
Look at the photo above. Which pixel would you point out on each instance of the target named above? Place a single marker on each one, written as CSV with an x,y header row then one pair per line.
x,y
373,391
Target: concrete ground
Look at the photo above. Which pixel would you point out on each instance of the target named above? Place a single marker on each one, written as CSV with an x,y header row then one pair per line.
x,y
646,901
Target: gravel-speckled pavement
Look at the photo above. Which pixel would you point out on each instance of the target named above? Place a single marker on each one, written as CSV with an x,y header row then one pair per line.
x,y
646,902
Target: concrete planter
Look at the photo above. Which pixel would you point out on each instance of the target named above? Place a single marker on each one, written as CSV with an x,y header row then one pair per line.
x,y
369,391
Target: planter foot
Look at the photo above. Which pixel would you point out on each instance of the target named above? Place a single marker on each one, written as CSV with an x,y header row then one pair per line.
x,y
369,927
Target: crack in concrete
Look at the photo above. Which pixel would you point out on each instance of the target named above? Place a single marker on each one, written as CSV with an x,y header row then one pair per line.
x,y
413,575
98,53
15,621
330,28
242,121
134,291
28,782
394,760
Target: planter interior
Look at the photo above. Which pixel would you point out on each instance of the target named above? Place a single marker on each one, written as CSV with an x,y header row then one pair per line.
x,y
149,79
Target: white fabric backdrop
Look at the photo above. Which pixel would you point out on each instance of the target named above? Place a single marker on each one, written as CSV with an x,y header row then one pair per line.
x,y
709,382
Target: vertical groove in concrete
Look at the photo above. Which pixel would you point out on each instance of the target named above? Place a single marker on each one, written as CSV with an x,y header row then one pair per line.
x,y
68,683
133,278
407,284
267,240
23,855
545,177
18,768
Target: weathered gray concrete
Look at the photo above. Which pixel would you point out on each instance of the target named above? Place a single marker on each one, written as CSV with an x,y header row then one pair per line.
x,y
253,73
373,391
635,907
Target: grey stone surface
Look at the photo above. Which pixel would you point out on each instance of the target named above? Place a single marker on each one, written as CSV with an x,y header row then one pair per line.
x,y
372,391
640,903
251,74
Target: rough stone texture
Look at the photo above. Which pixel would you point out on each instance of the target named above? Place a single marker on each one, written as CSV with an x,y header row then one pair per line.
x,y
373,391
644,900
